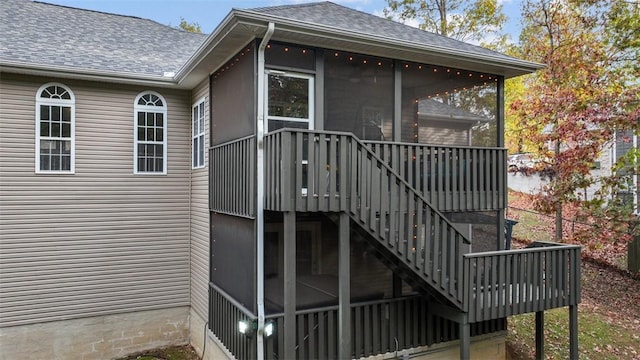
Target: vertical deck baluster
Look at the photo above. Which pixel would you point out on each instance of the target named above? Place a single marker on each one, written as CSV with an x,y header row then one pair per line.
x,y
436,247
323,170
334,161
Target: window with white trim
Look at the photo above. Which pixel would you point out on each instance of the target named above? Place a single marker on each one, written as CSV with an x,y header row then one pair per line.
x,y
197,133
55,129
150,134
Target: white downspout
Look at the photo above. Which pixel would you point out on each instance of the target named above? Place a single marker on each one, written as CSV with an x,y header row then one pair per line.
x,y
260,191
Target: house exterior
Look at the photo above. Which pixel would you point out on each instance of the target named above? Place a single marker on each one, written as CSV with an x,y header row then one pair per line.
x,y
308,181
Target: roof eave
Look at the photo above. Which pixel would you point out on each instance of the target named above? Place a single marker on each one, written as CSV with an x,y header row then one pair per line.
x,y
84,74
389,47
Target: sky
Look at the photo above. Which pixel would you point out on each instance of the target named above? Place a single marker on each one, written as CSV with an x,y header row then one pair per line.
x,y
209,13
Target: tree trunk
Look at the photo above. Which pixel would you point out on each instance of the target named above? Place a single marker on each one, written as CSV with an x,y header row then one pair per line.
x,y
558,223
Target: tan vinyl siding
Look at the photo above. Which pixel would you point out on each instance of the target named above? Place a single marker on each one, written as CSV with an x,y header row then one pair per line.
x,y
100,241
200,218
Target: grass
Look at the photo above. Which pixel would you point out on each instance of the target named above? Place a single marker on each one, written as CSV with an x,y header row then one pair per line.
x,y
185,352
530,226
598,338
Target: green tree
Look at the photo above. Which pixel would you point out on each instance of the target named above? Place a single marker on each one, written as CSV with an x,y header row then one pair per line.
x,y
464,20
193,27
574,105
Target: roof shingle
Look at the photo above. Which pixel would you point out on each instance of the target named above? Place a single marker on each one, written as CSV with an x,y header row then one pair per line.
x,y
43,34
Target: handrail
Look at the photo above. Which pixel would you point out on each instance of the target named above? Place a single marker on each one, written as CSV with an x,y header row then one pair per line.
x,y
525,250
233,301
433,145
231,142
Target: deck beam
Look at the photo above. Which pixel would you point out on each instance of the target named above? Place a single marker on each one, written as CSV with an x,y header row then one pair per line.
x,y
539,335
290,285
344,291
573,331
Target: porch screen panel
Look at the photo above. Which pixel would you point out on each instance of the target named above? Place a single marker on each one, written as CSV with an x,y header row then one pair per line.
x,y
233,98
233,257
448,106
358,95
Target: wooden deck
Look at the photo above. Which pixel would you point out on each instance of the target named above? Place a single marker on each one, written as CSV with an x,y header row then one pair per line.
x,y
372,186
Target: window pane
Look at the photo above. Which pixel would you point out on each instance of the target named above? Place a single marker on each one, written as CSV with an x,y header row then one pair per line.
x,y
66,114
288,96
158,165
67,147
142,150
45,145
66,163
141,118
55,113
44,162
159,120
55,129
150,136
201,151
194,155
66,130
150,119
141,165
158,150
159,134
55,162
44,128
44,112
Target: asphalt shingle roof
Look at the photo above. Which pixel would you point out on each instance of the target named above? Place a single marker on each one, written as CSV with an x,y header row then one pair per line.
x,y
41,34
350,20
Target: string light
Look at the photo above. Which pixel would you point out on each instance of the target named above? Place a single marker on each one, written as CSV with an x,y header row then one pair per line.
x,y
366,61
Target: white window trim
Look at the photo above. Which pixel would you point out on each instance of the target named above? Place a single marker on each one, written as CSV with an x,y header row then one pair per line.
x,y
203,116
146,108
310,120
56,102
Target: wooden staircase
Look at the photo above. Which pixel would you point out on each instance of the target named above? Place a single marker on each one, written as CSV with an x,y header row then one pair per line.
x,y
336,172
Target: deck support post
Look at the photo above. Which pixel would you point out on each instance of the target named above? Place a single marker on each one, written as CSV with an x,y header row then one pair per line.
x,y
289,285
573,331
539,335
465,339
344,291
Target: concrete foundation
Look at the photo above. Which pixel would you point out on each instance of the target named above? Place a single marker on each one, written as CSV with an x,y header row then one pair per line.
x,y
202,339
99,337
490,346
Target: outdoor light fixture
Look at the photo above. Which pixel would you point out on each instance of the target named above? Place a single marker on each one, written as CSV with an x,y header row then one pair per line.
x,y
249,327
269,328
246,327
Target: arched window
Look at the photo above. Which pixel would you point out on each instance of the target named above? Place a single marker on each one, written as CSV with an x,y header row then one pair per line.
x,y
150,134
55,129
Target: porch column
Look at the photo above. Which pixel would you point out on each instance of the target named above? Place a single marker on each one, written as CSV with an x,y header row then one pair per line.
x,y
289,285
539,335
344,292
465,339
573,331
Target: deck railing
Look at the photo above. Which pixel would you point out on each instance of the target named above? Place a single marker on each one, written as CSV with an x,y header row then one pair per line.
x,y
378,327
452,178
504,283
232,178
321,171
224,315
